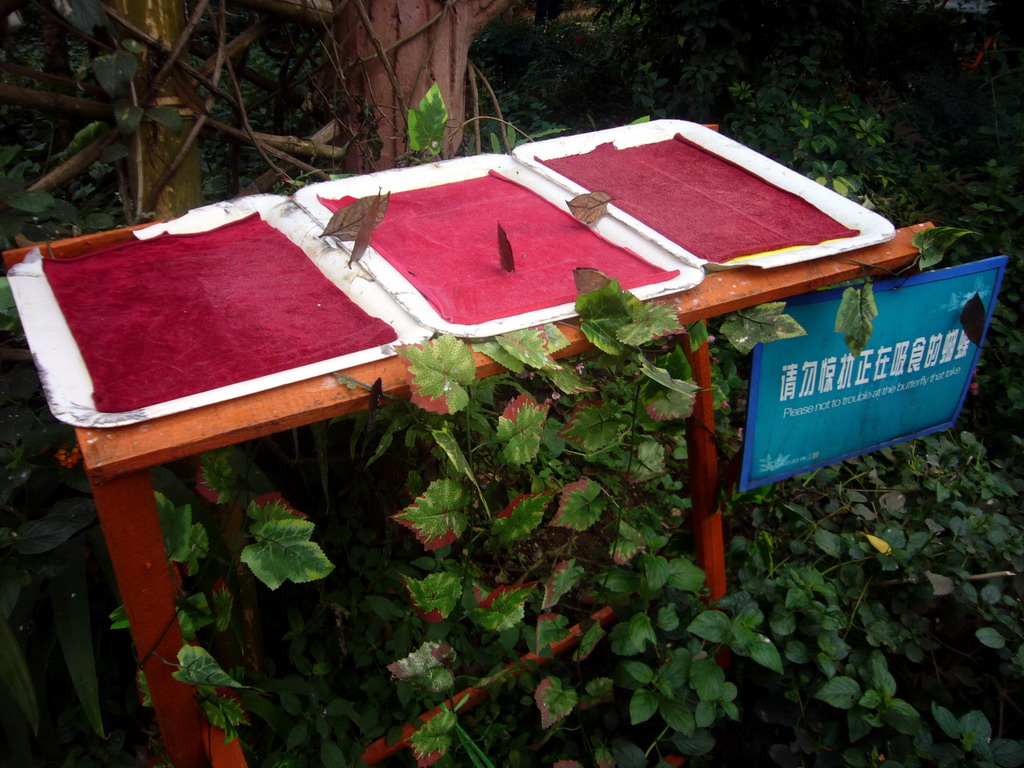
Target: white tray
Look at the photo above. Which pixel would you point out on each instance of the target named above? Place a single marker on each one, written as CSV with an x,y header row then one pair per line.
x,y
873,228
612,229
66,381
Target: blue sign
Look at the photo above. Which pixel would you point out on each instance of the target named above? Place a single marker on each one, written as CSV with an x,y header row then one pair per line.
x,y
813,404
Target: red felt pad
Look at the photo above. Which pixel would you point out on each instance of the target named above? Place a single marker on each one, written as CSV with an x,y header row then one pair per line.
x,y
710,206
160,319
444,240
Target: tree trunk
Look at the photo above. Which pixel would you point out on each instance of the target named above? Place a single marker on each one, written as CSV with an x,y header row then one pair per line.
x,y
154,147
388,55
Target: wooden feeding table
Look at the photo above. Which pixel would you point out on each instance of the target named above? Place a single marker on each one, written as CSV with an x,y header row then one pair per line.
x,y
119,450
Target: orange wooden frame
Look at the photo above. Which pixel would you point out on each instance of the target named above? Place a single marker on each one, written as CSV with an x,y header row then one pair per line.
x,y
118,461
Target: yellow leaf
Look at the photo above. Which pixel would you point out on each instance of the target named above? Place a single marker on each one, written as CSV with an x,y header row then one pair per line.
x,y
880,544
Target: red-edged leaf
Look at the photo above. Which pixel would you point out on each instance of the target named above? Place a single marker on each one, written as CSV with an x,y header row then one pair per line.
x,y
434,737
568,764
592,425
554,700
563,578
598,691
437,517
670,405
628,542
581,505
551,627
508,261
521,517
604,758
503,607
434,597
426,667
520,427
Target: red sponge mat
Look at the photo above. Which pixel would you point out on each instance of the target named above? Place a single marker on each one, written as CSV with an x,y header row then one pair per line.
x,y
176,315
710,206
444,240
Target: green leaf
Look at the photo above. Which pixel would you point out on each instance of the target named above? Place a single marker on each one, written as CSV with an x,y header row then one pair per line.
x,y
84,15
114,73
677,715
65,518
168,117
933,244
879,676
434,738
707,679
184,541
435,596
764,652
529,346
631,637
761,324
438,517
70,599
198,667
642,706
990,637
591,637
447,442
602,313
29,201
520,427
567,380
855,317
521,517
685,575
581,505
224,712
441,370
842,692
649,462
15,676
655,570
427,667
563,578
427,123
598,690
554,700
713,626
497,353
502,608
649,321
282,551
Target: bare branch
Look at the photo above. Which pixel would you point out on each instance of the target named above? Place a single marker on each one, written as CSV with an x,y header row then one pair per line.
x,y
74,165
313,12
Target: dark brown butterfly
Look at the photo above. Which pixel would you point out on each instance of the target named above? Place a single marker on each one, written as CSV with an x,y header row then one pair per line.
x,y
588,279
590,207
972,318
508,261
376,395
370,222
345,222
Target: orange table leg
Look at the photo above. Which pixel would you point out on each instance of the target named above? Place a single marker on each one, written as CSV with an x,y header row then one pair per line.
x,y
128,517
702,456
